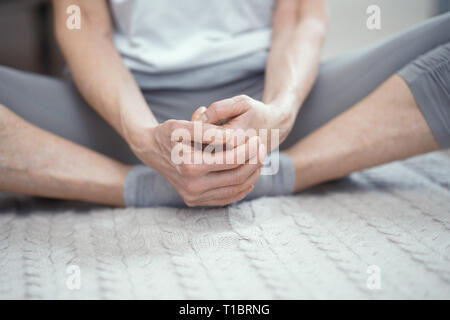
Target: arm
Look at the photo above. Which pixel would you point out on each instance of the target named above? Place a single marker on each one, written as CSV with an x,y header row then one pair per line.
x,y
299,29
298,32
98,69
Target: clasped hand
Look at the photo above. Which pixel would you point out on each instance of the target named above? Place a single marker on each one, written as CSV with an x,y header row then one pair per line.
x,y
236,156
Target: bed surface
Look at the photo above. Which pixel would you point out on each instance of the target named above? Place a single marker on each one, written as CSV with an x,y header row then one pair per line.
x,y
393,221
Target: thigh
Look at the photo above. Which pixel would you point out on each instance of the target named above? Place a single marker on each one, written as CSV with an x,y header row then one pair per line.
x,y
56,106
345,81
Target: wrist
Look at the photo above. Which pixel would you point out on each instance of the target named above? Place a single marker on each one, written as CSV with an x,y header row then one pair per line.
x,y
281,118
135,118
137,133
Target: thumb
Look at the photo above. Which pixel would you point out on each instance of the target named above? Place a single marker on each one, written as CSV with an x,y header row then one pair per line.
x,y
197,115
224,110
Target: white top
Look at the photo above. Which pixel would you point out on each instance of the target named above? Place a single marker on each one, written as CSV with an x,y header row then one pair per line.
x,y
192,43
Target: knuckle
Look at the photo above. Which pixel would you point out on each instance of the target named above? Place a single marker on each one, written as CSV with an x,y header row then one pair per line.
x,y
190,199
192,187
255,176
190,204
171,124
215,109
241,197
214,106
243,98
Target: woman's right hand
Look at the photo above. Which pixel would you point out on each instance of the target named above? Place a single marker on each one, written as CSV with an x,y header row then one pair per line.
x,y
216,183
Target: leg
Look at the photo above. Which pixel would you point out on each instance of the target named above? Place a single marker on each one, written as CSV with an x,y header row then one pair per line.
x,y
56,106
384,127
55,167
36,162
390,124
35,157
343,82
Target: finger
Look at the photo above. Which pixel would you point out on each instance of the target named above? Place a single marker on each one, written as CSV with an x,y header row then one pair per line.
x,y
224,178
232,158
204,133
239,197
191,162
197,115
226,109
229,191
237,133
230,177
225,202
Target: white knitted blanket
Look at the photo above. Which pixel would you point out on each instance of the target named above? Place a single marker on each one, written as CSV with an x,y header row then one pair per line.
x,y
381,233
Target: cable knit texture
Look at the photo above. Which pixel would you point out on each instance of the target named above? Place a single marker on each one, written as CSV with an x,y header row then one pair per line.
x,y
318,244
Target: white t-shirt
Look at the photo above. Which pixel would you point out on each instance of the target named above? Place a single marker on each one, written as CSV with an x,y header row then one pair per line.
x,y
192,43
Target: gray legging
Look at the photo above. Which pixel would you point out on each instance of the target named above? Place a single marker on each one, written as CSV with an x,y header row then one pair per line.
x,y
421,55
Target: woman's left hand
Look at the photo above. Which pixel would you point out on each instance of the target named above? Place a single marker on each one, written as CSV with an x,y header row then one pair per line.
x,y
243,112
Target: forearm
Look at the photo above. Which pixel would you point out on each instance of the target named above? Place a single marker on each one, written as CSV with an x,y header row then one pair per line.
x,y
299,30
101,76
108,86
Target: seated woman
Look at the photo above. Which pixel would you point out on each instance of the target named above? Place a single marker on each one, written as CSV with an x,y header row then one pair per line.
x,y
254,63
